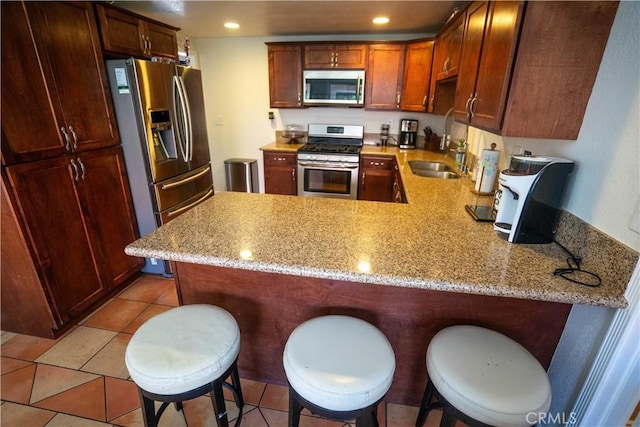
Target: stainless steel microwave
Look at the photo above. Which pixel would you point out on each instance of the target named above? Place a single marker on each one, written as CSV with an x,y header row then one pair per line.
x,y
334,87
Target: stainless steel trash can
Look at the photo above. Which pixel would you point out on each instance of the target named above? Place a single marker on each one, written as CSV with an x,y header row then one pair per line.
x,y
241,175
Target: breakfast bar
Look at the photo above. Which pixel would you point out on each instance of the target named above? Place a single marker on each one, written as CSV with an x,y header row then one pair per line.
x,y
411,269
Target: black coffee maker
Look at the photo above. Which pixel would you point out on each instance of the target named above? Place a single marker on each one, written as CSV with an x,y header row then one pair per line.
x,y
408,133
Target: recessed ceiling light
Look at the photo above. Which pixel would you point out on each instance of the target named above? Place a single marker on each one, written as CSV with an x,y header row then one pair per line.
x,y
232,25
381,20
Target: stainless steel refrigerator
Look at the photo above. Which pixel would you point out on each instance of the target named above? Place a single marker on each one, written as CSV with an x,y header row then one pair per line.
x,y
160,113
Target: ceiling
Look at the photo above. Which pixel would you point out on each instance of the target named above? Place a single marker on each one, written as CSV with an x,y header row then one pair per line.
x,y
287,18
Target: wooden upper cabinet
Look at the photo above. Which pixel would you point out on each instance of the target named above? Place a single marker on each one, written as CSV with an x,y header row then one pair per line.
x,y
448,48
383,79
285,75
446,59
474,31
417,75
530,71
335,56
52,70
130,34
558,57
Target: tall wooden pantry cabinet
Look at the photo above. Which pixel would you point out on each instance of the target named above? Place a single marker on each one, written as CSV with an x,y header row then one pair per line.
x,y
66,212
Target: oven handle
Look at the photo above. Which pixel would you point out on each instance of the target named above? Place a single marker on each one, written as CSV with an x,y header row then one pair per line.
x,y
329,165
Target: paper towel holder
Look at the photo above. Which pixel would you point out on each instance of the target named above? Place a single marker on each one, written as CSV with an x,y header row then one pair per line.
x,y
483,176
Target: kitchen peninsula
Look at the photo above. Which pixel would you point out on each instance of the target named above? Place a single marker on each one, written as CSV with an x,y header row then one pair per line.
x,y
411,269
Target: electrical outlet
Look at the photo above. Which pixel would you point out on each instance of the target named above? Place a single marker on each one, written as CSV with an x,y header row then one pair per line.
x,y
219,121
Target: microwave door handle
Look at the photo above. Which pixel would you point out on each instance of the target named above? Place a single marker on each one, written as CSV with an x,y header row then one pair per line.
x,y
359,91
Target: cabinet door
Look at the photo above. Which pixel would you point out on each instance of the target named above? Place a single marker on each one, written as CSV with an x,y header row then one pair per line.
x,y
56,228
285,76
376,179
471,48
162,41
448,60
121,32
68,46
417,75
350,56
496,63
384,77
318,56
25,95
104,190
280,173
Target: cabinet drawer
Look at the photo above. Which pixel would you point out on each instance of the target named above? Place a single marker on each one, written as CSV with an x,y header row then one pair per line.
x,y
272,158
377,163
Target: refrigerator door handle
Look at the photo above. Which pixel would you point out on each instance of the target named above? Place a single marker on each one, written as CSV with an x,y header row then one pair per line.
x,y
171,213
186,180
181,100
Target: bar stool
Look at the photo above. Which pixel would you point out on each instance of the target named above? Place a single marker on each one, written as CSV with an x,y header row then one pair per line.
x,y
482,378
184,353
338,367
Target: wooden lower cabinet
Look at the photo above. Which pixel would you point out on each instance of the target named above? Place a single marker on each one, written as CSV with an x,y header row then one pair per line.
x,y
73,216
376,178
280,172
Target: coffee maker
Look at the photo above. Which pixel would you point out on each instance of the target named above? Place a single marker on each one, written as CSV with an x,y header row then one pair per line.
x,y
529,198
408,133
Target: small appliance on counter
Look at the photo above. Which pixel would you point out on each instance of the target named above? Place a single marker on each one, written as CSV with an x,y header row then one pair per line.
x,y
408,133
529,198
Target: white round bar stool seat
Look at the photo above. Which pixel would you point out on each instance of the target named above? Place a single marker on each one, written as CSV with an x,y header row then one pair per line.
x,y
183,353
487,377
339,367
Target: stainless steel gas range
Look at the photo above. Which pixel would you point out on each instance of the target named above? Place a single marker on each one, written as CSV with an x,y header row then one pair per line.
x,y
328,165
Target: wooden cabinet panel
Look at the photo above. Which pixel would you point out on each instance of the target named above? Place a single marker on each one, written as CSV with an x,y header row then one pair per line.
x,y
25,94
105,192
163,41
280,172
121,32
446,58
335,56
474,30
78,218
56,229
376,178
384,77
531,72
127,33
417,75
285,75
74,81
558,57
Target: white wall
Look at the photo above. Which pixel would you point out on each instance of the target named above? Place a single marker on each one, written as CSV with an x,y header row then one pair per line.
x,y
605,190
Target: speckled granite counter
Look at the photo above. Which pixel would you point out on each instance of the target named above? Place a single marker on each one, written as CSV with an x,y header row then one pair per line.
x,y
428,243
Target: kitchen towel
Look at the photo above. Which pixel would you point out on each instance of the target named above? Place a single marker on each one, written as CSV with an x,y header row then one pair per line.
x,y
487,170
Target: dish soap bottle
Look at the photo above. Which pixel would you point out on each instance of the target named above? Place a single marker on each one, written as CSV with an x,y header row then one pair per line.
x,y
461,154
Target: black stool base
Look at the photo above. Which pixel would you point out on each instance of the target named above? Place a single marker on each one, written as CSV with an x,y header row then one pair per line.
x,y
365,417
151,417
450,413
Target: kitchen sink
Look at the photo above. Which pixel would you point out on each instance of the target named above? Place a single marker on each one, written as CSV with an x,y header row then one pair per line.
x,y
436,174
432,169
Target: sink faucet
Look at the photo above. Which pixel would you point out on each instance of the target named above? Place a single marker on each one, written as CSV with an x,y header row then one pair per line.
x,y
445,131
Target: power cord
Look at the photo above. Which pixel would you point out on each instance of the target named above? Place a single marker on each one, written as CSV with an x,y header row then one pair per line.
x,y
576,274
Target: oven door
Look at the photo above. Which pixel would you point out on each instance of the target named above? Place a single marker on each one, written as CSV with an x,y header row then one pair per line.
x,y
326,179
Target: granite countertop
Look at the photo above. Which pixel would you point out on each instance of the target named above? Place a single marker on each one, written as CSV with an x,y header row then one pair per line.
x,y
431,242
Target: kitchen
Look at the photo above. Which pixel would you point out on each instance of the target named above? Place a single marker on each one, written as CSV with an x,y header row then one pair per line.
x,y
607,166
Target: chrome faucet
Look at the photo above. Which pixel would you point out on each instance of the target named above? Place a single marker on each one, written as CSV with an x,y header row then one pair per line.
x,y
445,131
